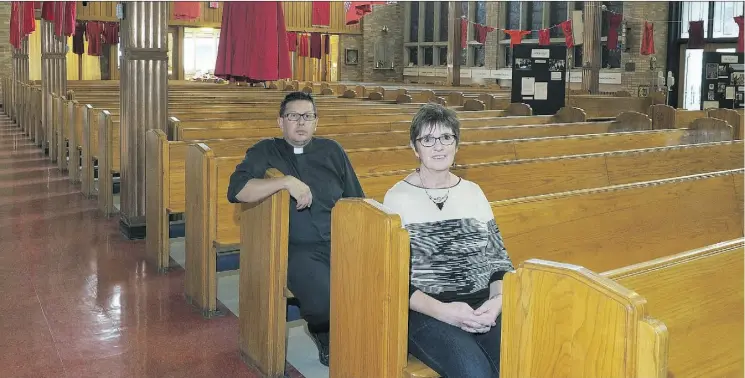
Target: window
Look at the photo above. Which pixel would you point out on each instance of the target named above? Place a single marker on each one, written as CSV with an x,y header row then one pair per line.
x,y
200,51
721,13
724,25
426,42
540,15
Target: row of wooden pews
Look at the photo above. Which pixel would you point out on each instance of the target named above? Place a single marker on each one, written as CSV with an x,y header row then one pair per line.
x,y
565,188
262,327
260,275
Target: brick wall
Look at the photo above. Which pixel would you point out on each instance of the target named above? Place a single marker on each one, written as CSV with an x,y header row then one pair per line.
x,y
373,37
351,72
636,12
391,42
6,51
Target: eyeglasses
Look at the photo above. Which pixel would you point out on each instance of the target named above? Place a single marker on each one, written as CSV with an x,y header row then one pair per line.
x,y
429,140
297,116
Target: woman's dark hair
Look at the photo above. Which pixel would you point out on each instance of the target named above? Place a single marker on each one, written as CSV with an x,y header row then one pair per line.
x,y
296,96
429,116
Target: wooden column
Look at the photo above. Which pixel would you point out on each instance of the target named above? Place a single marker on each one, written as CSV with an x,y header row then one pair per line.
x,y
20,76
53,80
144,102
592,47
454,38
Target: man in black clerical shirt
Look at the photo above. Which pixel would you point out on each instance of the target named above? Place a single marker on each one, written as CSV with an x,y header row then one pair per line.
x,y
317,174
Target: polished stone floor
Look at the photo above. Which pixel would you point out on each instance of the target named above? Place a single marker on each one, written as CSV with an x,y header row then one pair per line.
x,y
79,300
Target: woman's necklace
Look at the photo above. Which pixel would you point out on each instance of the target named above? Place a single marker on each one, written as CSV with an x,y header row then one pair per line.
x,y
438,201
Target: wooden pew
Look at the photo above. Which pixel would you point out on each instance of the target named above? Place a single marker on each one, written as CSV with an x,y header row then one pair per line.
x,y
610,106
167,164
531,177
383,136
632,222
222,227
697,296
90,134
564,115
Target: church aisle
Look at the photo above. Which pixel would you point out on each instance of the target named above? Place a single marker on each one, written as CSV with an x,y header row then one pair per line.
x,y
78,300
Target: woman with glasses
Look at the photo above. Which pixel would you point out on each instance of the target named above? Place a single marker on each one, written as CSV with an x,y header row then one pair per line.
x,y
458,257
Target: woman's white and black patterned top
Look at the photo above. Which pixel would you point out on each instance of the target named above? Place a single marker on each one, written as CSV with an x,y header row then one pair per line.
x,y
456,252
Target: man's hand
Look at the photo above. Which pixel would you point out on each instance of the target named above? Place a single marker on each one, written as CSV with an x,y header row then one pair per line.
x,y
299,191
490,310
461,315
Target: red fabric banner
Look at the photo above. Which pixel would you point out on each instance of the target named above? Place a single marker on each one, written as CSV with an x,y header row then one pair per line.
x,y
321,15
544,37
647,39
614,20
516,36
291,41
740,45
253,42
187,10
566,27
47,11
355,10
15,25
481,32
463,33
94,35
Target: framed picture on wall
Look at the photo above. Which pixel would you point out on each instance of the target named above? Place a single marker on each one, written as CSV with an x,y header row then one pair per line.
x,y
351,57
643,91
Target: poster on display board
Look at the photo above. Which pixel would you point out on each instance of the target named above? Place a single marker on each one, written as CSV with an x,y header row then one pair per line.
x,y
723,81
539,75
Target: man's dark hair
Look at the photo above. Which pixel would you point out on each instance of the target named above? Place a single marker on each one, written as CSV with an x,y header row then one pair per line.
x,y
430,115
296,96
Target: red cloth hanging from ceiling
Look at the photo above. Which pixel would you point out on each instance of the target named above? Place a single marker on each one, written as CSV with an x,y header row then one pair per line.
x,y
291,41
740,39
78,42
253,42
463,33
47,11
614,20
355,10
696,35
187,10
566,27
516,36
28,21
65,13
111,33
94,35
315,45
647,39
481,32
544,37
15,25
321,15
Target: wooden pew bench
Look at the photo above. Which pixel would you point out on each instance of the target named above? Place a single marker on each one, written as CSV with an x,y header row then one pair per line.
x,y
601,229
382,135
168,163
221,228
695,297
667,117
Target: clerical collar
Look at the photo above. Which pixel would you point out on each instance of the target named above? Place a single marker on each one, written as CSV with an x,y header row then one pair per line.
x,y
298,150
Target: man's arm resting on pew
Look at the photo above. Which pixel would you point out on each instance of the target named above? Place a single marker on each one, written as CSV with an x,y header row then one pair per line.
x,y
257,190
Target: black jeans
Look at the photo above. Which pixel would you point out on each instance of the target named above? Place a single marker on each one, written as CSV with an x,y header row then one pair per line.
x,y
453,352
309,279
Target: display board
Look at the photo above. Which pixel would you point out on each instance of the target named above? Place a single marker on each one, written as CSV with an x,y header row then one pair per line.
x,y
723,81
539,75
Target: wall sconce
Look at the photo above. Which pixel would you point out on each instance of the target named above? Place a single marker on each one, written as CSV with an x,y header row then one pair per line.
x,y
384,29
